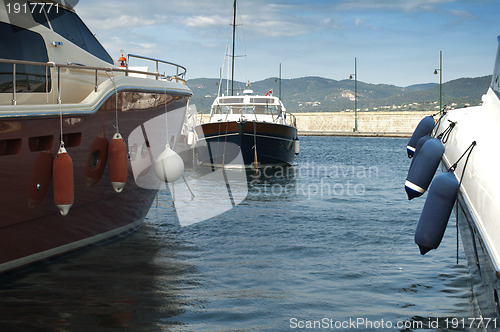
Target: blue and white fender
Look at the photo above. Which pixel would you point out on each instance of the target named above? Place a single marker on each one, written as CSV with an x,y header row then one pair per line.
x,y
420,142
424,127
436,212
423,168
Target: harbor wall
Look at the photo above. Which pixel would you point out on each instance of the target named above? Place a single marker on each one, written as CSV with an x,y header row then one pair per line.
x,y
377,123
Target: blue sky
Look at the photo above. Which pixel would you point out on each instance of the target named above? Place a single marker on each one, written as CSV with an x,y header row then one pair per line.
x,y
395,41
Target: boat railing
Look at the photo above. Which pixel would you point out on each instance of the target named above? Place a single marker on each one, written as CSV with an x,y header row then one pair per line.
x,y
292,120
180,70
178,77
287,118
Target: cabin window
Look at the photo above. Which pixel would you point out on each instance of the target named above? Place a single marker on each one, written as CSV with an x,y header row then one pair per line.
x,y
20,44
222,109
38,13
495,80
246,109
230,100
71,27
261,101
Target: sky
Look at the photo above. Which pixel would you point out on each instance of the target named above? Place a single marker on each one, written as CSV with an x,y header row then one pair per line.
x,y
394,42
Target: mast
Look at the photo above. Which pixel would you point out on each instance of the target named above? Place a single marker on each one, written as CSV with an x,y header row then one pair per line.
x,y
280,83
232,56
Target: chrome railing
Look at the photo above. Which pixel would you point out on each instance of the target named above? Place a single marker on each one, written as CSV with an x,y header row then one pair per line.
x,y
288,119
178,77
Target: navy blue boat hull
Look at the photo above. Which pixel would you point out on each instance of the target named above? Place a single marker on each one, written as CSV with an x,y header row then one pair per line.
x,y
246,143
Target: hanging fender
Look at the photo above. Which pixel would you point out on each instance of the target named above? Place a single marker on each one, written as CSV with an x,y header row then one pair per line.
x,y
424,167
117,162
190,137
296,146
63,181
436,212
423,128
169,166
420,142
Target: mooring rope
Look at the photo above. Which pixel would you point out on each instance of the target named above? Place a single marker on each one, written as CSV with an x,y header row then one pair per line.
x,y
452,168
445,135
256,162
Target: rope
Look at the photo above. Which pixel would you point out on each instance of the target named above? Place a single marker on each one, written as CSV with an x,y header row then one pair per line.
x,y
116,108
438,122
116,102
452,168
445,135
173,193
59,101
216,152
225,141
256,163
189,188
442,112
456,226
166,114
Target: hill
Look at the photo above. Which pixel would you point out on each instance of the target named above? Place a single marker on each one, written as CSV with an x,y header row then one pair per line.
x,y
317,94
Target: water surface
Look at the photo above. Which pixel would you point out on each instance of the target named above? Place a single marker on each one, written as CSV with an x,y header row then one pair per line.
x,y
327,242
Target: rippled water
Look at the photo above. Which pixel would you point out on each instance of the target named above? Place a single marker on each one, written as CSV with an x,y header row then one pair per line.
x,y
327,242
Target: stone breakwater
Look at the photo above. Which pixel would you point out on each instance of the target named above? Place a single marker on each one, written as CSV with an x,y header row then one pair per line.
x,y
394,124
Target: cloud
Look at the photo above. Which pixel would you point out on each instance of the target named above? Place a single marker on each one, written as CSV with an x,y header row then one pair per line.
x,y
280,27
124,22
462,14
201,21
307,36
392,5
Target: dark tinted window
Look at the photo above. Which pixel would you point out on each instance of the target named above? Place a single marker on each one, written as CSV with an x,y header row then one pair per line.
x,y
495,80
38,13
21,44
69,25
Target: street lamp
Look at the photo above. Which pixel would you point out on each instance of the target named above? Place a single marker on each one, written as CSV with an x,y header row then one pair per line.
x,y
355,96
440,80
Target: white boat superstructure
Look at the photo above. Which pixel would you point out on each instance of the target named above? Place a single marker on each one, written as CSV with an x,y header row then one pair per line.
x,y
478,205
250,107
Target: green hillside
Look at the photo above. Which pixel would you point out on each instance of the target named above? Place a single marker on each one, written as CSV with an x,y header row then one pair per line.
x,y
317,94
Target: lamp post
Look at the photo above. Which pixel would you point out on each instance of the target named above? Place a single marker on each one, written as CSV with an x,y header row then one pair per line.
x,y
355,96
440,80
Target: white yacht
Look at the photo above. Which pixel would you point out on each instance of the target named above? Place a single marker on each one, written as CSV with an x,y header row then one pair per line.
x,y
475,136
